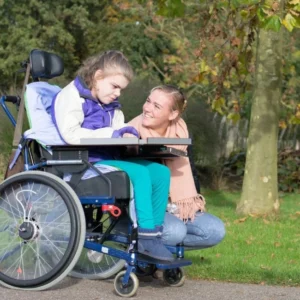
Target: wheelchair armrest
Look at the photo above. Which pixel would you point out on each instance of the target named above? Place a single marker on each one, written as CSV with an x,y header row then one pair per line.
x,y
70,153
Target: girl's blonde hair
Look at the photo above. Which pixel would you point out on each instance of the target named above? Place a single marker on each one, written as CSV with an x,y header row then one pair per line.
x,y
110,62
177,96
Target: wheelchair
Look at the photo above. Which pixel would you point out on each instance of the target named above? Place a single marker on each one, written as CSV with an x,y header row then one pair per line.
x,y
51,227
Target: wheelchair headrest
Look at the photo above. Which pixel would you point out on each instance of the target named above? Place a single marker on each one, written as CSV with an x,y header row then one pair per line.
x,y
45,65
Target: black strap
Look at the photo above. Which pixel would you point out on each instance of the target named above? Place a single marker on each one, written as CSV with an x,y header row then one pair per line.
x,y
76,177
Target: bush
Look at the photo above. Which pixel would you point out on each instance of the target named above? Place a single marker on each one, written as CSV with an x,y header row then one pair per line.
x,y
289,170
228,173
6,137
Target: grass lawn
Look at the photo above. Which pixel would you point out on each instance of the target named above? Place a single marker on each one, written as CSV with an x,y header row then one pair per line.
x,y
6,138
255,250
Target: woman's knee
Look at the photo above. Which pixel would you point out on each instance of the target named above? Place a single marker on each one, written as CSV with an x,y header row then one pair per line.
x,y
174,230
207,228
221,231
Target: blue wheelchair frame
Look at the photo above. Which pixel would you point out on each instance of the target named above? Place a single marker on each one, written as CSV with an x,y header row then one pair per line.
x,y
132,258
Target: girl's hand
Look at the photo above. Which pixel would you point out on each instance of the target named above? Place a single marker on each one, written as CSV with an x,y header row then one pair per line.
x,y
125,130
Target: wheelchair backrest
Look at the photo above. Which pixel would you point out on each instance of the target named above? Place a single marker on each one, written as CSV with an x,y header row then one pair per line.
x,y
38,99
38,96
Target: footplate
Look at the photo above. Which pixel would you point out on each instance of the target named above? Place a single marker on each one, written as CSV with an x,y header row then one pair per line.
x,y
162,264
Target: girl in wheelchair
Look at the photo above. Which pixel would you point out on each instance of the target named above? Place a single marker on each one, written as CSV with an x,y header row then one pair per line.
x,y
88,107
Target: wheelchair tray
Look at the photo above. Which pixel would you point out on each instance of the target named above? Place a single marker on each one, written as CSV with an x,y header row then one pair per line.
x,y
109,141
147,148
134,141
162,264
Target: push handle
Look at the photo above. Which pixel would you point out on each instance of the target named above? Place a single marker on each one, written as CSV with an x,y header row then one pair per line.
x,y
12,99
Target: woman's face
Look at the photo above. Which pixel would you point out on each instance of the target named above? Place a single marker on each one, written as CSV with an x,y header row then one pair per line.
x,y
157,110
109,88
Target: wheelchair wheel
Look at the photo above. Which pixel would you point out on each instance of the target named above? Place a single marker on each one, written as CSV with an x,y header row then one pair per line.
x,y
143,270
95,265
174,277
42,230
129,289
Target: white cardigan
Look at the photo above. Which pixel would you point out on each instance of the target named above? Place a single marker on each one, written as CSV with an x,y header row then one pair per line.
x,y
69,116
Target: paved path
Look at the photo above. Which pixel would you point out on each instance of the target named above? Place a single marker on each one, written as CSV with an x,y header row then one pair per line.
x,y
76,289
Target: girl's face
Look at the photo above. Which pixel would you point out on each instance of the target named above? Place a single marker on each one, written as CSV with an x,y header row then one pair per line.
x,y
107,89
157,111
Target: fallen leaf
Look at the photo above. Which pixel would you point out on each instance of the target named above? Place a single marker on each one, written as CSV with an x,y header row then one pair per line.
x,y
240,220
292,261
253,215
265,267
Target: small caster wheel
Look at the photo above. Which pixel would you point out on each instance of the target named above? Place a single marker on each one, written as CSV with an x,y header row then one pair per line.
x,y
174,277
130,288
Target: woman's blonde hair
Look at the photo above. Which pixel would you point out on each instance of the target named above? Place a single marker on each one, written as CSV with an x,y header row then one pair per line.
x,y
110,62
177,96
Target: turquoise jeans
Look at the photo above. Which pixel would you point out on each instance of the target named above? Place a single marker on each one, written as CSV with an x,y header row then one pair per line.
x,y
151,183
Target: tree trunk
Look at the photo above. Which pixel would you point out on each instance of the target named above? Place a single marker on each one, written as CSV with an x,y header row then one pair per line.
x,y
260,185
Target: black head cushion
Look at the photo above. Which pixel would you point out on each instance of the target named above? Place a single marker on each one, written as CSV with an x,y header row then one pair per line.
x,y
45,65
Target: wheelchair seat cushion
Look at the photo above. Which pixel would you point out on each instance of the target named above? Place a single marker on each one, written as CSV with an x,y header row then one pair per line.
x,y
93,184
97,186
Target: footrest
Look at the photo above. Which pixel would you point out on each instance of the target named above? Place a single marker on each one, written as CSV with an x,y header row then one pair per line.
x,y
162,264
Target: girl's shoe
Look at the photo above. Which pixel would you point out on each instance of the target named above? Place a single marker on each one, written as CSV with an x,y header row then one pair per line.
x,y
150,245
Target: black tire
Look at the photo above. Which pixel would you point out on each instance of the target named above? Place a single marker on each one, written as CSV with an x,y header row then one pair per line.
x,y
174,277
145,270
42,230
